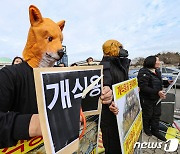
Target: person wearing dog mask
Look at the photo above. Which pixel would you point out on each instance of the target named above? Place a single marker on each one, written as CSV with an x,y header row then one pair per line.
x,y
19,118
115,67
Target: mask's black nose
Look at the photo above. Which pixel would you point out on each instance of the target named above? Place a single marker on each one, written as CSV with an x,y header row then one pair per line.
x,y
60,53
123,53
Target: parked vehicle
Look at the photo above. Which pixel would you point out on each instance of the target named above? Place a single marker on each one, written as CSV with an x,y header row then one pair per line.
x,y
168,73
133,73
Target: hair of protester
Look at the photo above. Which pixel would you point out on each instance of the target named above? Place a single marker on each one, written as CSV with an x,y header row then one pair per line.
x,y
62,63
150,62
17,57
74,64
89,58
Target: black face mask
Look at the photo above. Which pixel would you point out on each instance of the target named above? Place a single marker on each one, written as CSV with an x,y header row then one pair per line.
x,y
123,53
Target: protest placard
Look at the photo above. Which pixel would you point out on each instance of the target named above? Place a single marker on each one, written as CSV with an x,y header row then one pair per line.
x,y
59,97
35,145
129,118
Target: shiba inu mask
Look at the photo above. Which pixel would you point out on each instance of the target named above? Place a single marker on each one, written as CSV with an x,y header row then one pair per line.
x,y
44,42
112,48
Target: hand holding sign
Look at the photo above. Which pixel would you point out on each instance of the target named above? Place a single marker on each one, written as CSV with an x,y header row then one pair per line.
x,y
162,94
113,108
107,95
34,126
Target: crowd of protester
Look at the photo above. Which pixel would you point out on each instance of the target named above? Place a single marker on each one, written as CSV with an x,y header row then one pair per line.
x,y
115,70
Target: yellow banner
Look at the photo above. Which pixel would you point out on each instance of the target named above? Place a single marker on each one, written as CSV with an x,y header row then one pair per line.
x,y
100,145
23,146
173,133
133,135
123,88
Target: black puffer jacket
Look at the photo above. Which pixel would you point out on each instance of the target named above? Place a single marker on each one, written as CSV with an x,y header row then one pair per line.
x,y
115,70
150,83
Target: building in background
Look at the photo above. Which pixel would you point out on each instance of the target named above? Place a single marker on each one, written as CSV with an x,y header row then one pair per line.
x,y
4,61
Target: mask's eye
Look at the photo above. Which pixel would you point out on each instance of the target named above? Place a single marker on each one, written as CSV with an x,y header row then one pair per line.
x,y
120,47
50,38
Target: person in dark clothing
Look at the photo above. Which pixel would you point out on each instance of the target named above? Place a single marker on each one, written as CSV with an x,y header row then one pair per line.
x,y
17,103
90,61
115,69
150,84
19,118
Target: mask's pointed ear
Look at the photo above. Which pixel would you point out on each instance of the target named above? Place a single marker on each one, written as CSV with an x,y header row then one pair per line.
x,y
35,15
61,24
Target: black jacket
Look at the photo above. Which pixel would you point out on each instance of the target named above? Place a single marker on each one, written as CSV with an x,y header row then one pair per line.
x,y
17,103
115,70
149,83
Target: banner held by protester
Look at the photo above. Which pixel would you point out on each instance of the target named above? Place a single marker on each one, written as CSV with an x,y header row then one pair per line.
x,y
59,96
129,118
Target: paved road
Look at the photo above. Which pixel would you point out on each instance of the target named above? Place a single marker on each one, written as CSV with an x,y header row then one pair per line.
x,y
154,139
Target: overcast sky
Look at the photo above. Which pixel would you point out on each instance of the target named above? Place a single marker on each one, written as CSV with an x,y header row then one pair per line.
x,y
144,27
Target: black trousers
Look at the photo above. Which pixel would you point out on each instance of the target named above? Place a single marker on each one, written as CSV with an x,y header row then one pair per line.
x,y
151,115
111,141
